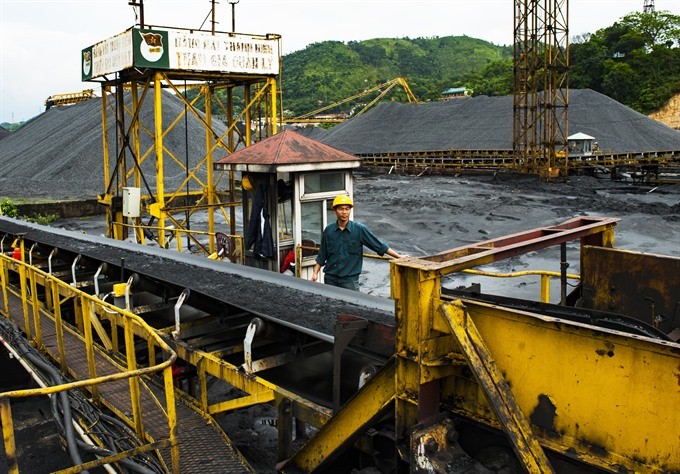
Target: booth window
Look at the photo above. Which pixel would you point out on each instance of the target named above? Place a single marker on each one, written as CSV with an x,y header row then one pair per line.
x,y
312,226
315,217
324,182
318,191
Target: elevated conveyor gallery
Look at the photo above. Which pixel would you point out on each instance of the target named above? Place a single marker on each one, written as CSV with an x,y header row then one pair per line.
x,y
442,377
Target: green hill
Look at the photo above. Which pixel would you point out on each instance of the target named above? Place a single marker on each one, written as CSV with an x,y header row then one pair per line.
x,y
327,72
635,61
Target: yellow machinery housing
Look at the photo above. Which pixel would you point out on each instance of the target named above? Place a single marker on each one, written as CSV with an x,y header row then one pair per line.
x,y
603,397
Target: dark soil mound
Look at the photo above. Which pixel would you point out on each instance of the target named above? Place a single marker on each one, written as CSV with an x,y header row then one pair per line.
x,y
4,132
486,123
58,154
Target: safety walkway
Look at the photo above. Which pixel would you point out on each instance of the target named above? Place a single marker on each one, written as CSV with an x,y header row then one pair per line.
x,y
204,448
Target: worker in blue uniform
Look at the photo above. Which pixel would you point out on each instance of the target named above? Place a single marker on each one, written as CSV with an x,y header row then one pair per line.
x,y
342,243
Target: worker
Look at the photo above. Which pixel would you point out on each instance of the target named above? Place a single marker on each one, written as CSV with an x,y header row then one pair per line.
x,y
342,244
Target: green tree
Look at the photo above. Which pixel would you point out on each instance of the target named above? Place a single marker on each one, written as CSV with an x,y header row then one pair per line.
x,y
495,79
330,71
656,28
635,61
587,64
8,208
618,81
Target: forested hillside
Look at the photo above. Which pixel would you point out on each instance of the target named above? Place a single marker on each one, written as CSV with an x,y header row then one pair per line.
x,y
635,61
326,72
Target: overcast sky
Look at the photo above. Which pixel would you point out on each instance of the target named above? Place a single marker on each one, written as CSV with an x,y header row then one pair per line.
x,y
41,40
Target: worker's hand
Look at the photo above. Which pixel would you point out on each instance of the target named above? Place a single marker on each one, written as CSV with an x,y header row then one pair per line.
x,y
392,253
315,276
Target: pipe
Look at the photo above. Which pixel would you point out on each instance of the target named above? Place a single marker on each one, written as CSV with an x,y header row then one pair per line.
x,y
103,452
49,261
65,405
73,269
96,278
41,383
30,254
248,346
128,286
180,301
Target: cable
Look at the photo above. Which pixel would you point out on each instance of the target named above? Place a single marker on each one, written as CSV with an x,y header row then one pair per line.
x,y
108,430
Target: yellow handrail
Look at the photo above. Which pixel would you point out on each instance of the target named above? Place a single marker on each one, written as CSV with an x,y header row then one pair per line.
x,y
544,274
179,231
87,308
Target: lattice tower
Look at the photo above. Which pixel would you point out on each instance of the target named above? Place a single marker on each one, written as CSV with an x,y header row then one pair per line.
x,y
541,95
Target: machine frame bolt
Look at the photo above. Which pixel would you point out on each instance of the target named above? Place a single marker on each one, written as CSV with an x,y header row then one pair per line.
x,y
431,446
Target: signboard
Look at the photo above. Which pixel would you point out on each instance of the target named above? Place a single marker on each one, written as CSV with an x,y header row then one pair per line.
x,y
181,50
108,56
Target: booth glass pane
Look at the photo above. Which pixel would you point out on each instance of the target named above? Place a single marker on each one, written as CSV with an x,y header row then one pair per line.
x,y
312,225
324,183
285,215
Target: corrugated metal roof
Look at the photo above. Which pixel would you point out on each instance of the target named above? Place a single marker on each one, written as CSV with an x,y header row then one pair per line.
x,y
288,150
286,147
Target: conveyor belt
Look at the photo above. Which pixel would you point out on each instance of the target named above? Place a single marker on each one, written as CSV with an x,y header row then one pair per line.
x,y
204,448
281,297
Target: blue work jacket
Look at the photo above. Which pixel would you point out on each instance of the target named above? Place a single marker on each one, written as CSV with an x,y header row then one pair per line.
x,y
341,251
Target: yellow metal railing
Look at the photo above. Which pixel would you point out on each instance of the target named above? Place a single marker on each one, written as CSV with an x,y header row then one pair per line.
x,y
178,232
89,311
544,274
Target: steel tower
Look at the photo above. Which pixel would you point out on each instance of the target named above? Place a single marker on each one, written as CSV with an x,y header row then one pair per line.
x,y
541,94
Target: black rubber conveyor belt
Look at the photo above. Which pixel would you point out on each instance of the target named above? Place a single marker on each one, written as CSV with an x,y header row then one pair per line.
x,y
293,300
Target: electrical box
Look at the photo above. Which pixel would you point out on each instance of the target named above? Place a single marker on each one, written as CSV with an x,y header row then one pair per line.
x,y
131,202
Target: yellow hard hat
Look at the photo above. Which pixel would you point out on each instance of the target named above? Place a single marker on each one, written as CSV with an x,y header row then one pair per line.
x,y
342,200
246,184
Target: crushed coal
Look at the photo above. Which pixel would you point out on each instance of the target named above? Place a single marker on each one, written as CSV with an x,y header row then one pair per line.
x,y
481,123
59,153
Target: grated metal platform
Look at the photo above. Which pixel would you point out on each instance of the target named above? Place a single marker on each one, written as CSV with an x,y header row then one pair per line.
x,y
204,448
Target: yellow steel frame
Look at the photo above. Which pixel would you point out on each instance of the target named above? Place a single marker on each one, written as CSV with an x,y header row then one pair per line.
x,y
383,88
69,98
495,388
92,310
256,389
612,396
603,397
172,208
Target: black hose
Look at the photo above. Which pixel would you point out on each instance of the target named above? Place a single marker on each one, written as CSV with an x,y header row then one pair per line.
x,y
110,430
131,465
69,432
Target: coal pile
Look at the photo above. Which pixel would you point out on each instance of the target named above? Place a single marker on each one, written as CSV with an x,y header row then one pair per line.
x,y
479,123
315,133
58,154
